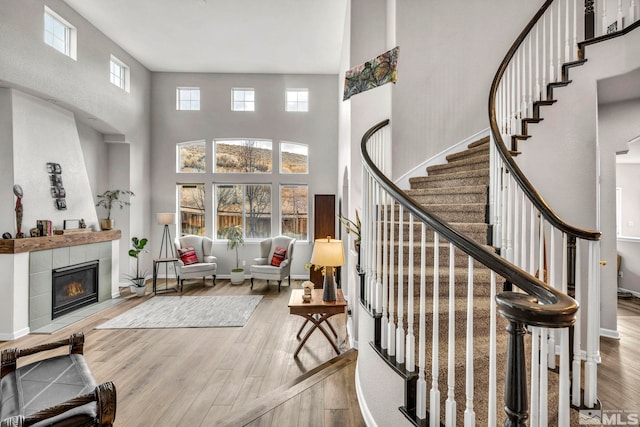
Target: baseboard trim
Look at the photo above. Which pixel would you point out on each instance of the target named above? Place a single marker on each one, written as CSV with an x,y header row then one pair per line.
x,y
634,293
609,333
367,416
15,335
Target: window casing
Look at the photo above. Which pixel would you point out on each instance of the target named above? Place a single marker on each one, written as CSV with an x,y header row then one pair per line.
x,y
191,157
243,99
188,98
297,100
294,158
294,211
243,156
119,73
248,205
59,34
191,209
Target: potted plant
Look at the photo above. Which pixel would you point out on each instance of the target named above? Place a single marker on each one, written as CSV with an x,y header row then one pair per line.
x,y
138,280
233,234
110,199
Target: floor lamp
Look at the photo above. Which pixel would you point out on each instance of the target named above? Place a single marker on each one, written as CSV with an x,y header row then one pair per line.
x,y
166,219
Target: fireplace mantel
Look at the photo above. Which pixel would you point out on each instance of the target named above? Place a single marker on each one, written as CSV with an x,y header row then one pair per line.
x,y
31,244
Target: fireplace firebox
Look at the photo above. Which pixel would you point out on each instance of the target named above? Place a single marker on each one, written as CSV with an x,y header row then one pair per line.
x,y
74,287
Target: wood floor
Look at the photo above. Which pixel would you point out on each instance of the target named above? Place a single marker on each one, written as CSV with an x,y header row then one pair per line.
x,y
240,376
204,376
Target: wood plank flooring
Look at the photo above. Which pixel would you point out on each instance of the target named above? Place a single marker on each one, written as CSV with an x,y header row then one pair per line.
x,y
203,376
211,376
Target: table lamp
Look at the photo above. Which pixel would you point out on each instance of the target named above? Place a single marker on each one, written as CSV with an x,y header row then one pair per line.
x,y
166,219
328,253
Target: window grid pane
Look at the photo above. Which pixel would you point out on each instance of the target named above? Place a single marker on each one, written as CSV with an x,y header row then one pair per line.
x,y
294,211
294,158
228,207
192,157
297,100
188,99
191,208
56,34
243,156
257,207
243,100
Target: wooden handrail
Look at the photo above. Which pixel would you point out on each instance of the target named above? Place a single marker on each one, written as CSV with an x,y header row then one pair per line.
x,y
557,310
532,194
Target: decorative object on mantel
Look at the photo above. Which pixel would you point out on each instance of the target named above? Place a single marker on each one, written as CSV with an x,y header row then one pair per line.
x,y
34,232
57,190
373,73
308,286
71,226
138,281
45,227
328,253
17,190
108,200
234,236
6,235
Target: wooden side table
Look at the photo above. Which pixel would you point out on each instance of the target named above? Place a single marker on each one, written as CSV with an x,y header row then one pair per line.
x,y
156,265
317,312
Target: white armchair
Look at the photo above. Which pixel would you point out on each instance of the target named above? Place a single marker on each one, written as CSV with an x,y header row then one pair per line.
x,y
206,264
262,267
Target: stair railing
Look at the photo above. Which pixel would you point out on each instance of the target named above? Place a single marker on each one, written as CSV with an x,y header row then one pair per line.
x,y
403,248
529,233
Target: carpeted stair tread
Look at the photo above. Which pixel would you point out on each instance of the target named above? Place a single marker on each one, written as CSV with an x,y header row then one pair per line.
x,y
454,179
481,141
469,152
479,161
460,258
465,194
475,230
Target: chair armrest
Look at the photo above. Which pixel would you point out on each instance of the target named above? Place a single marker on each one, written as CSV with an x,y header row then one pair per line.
x,y
10,356
260,261
104,395
210,258
284,263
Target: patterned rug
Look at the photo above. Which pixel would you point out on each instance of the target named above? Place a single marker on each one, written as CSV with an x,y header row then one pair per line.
x,y
186,312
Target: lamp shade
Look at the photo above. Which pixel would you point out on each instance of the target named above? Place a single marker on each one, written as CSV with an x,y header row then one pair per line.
x,y
166,218
327,252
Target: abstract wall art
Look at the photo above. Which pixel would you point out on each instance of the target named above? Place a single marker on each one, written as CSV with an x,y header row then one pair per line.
x,y
376,72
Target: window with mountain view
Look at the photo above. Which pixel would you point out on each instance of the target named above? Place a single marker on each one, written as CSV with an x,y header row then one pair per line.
x,y
191,156
243,156
294,211
248,205
294,157
191,209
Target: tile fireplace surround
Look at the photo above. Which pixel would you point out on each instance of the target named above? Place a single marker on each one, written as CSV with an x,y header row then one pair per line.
x,y
30,261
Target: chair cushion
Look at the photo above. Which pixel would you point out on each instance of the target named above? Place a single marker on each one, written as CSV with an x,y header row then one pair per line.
x,y
188,255
201,267
278,256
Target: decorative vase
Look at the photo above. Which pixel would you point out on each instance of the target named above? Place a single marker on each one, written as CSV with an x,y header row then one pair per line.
x,y
237,276
141,291
106,224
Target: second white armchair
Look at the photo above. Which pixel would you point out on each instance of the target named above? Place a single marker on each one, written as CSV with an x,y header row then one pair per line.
x,y
276,255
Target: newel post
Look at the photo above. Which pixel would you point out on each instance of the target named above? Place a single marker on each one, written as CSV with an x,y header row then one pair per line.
x,y
516,404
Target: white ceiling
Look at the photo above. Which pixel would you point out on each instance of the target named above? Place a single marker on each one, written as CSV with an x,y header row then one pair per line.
x,y
224,36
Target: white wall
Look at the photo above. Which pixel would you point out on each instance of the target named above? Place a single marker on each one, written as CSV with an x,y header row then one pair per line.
x,y
629,250
317,128
449,53
82,87
627,178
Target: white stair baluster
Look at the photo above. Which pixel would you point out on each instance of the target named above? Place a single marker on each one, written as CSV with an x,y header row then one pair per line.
x,y
391,335
552,68
421,386
451,351
593,327
543,419
564,387
535,377
619,18
411,340
559,43
385,271
434,395
552,282
492,401
567,41
469,413
577,365
543,68
604,17
400,330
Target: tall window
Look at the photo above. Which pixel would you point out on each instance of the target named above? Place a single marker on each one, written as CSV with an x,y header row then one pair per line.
x,y
297,100
243,100
188,98
248,205
294,157
59,34
243,156
191,156
119,73
191,209
294,211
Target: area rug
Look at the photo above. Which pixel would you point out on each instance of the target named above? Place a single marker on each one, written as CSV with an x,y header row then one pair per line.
x,y
186,312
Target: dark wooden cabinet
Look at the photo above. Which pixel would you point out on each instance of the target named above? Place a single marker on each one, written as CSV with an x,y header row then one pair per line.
x,y
324,224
